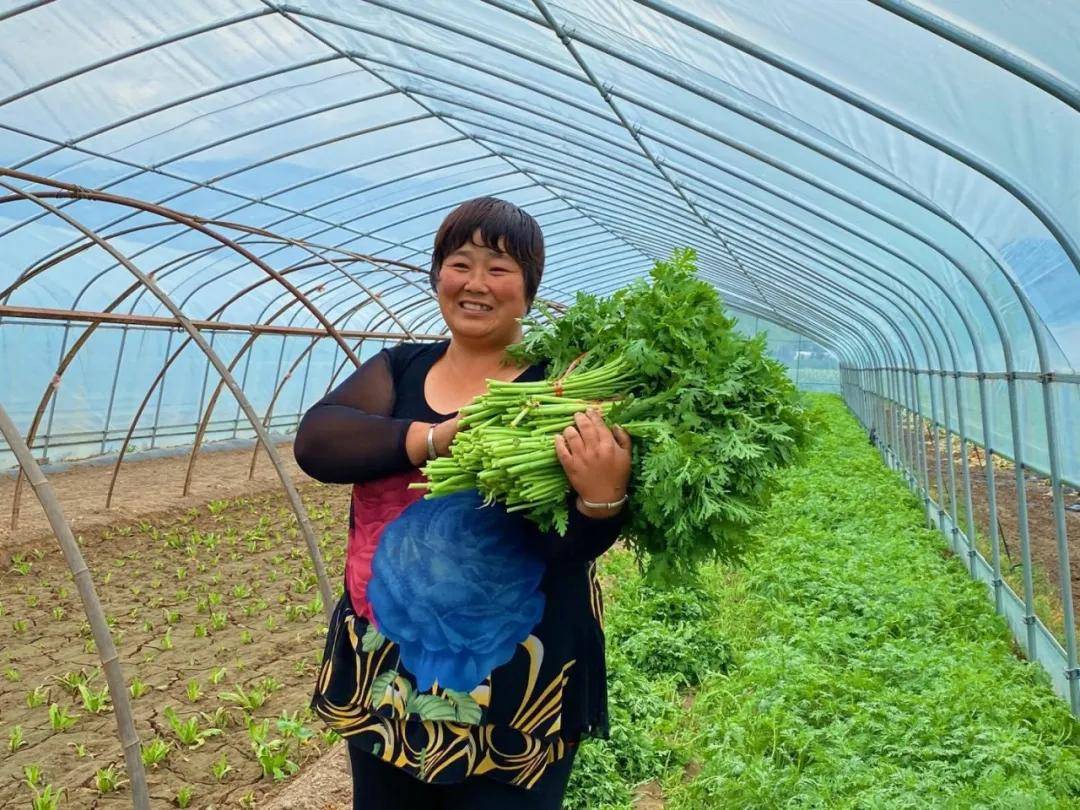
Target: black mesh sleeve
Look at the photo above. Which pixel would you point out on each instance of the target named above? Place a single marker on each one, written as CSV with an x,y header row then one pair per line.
x,y
586,537
348,436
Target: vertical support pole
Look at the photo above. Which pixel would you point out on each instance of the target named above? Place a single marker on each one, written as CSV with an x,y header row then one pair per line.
x,y
110,663
112,391
938,479
961,421
160,396
1022,516
991,493
1072,671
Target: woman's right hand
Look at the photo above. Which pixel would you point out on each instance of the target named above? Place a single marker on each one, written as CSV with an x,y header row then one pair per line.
x,y
416,439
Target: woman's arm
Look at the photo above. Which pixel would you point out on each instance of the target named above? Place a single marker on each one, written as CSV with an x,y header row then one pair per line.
x,y
349,435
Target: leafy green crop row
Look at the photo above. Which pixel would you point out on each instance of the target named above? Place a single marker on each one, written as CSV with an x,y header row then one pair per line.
x,y
851,664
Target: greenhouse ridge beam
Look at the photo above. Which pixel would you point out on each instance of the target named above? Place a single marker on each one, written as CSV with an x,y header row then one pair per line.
x,y
991,52
162,322
1013,186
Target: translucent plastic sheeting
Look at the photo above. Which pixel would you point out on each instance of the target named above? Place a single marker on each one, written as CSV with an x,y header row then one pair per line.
x,y
842,170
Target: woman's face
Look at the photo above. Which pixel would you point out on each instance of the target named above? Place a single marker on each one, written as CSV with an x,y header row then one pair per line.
x,y
482,293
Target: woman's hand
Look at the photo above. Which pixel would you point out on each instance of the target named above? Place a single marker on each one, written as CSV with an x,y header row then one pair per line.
x,y
416,439
596,460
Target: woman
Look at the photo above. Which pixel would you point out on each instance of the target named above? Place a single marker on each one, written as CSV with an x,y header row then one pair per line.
x,y
466,658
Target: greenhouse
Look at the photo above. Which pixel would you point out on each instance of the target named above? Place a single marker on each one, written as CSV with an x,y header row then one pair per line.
x,y
215,213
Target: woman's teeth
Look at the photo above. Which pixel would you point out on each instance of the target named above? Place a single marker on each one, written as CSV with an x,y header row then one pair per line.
x,y
475,307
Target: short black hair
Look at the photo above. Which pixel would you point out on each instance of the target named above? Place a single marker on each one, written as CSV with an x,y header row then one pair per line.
x,y
497,220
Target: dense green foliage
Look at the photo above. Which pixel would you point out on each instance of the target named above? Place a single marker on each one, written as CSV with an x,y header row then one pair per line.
x,y
713,417
850,664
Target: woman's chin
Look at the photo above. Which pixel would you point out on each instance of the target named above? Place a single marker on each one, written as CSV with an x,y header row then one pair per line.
x,y
468,327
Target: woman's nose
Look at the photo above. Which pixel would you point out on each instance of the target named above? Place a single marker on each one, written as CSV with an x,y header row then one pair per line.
x,y
476,280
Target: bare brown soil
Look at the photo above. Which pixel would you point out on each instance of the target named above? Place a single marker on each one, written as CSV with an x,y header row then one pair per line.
x,y
214,586
1041,526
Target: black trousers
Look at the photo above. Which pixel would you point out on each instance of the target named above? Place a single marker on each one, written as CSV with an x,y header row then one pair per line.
x,y
380,786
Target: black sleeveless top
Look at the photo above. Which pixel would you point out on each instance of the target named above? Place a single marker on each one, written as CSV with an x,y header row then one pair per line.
x,y
549,694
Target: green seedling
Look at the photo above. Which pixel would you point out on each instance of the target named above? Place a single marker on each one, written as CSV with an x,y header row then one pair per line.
x,y
138,688
94,701
147,626
218,621
20,565
217,675
58,613
32,600
19,626
219,718
270,684
247,801
15,739
270,624
221,768
200,631
187,731
80,750
71,681
248,701
107,780
38,697
184,796
166,640
48,798
242,591
59,719
155,752
12,674
32,774
181,573
171,616
245,637
194,691
273,757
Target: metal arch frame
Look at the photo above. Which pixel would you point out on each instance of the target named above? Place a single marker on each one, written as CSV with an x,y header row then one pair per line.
x,y
101,130
290,490
1049,415
353,58
110,659
520,123
144,48
1045,216
171,358
73,191
1073,672
241,353
755,116
284,190
1015,189
998,55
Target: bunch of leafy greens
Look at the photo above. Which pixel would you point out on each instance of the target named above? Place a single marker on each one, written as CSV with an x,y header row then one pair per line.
x,y
725,416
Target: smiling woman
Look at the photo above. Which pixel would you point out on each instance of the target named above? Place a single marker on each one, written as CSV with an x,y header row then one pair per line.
x,y
466,659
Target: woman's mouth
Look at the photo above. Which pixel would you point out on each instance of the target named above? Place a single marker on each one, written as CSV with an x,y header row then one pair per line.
x,y
474,306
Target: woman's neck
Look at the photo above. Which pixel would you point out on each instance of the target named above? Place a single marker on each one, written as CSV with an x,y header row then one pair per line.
x,y
472,359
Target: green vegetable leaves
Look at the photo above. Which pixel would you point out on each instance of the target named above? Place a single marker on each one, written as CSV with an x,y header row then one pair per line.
x,y
712,416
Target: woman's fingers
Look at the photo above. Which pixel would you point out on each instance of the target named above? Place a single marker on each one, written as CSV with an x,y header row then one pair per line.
x,y
622,438
574,442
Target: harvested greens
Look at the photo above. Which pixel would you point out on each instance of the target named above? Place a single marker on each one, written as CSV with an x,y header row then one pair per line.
x,y
713,418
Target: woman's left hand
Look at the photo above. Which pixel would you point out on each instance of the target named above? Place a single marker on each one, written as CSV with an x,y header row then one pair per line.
x,y
595,458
